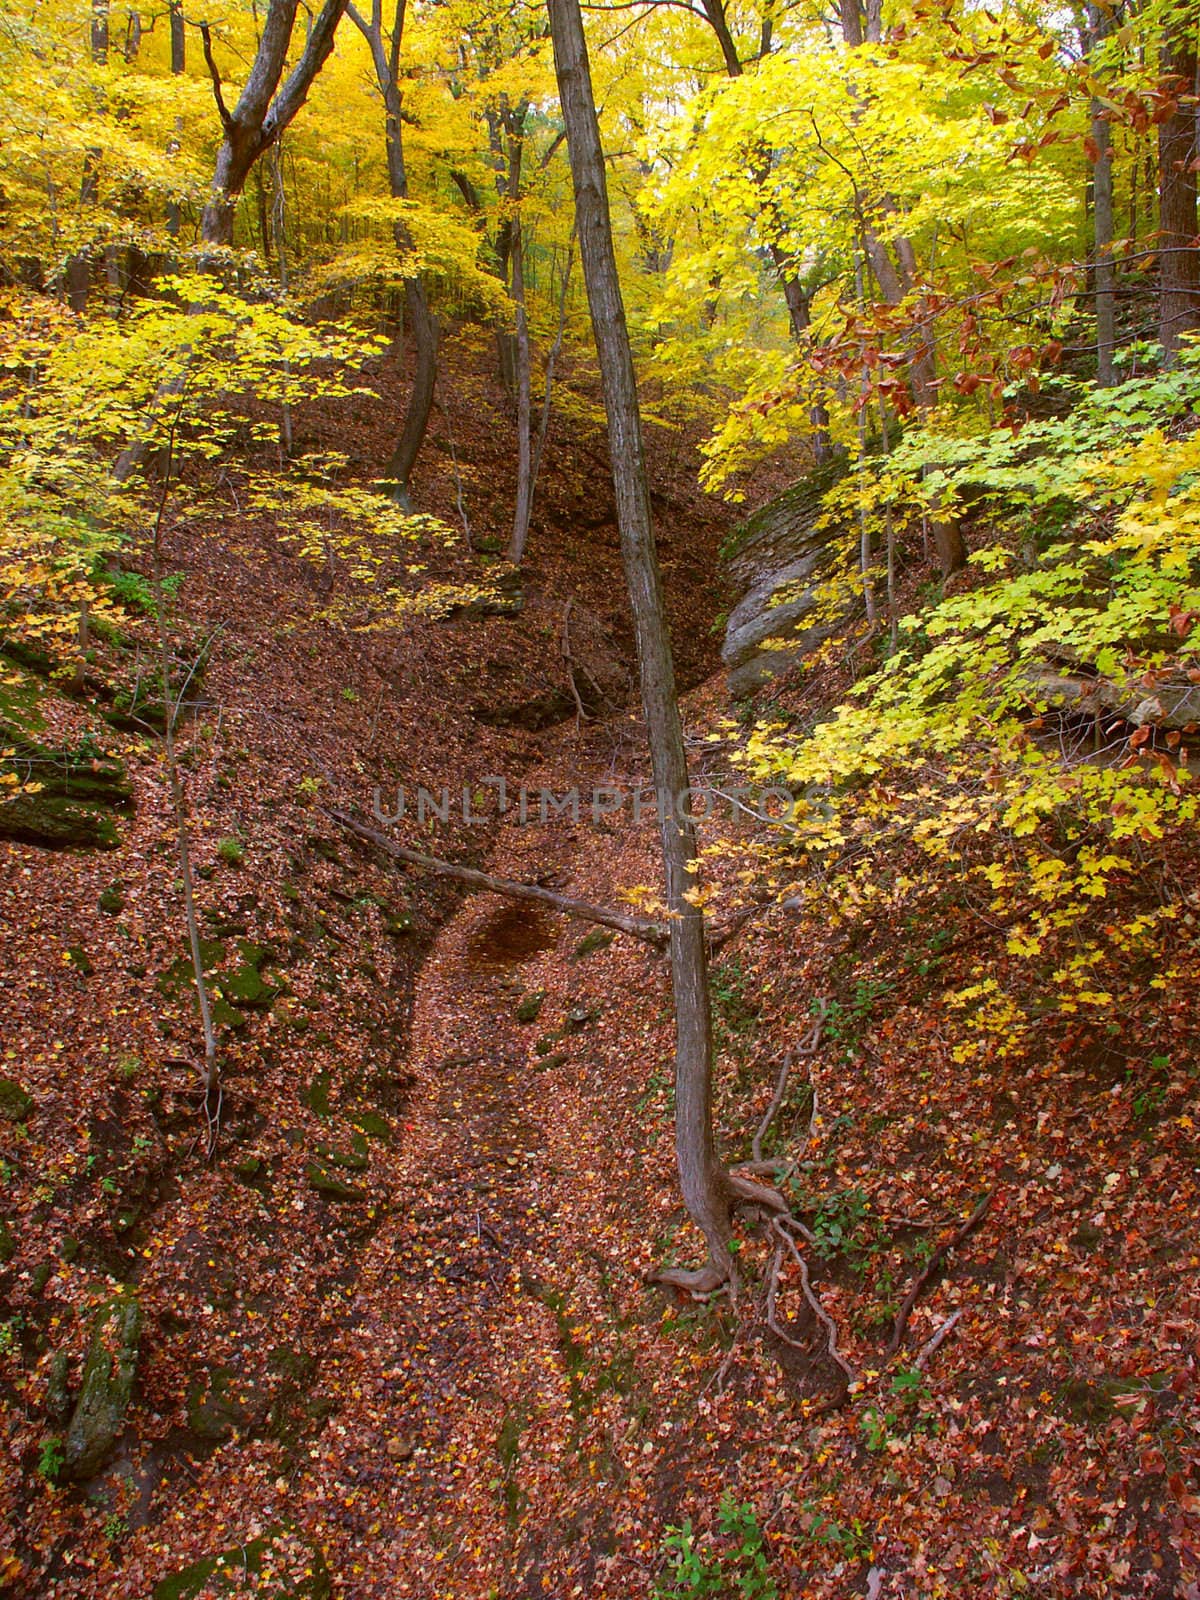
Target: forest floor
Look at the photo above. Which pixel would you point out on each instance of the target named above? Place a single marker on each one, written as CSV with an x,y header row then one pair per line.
x,y
397,1337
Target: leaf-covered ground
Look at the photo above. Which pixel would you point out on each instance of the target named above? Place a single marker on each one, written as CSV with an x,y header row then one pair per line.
x,y
397,1339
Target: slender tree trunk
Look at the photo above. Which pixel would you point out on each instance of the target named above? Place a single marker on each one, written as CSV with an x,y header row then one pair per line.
x,y
704,1183
1104,231
524,362
1179,295
386,60
79,267
178,67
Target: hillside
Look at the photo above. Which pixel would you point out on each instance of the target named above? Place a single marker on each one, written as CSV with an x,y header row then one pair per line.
x,y
396,1334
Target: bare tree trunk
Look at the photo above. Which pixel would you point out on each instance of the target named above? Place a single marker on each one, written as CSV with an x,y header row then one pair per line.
x,y
522,373
704,1183
1099,22
178,67
79,267
386,60
1179,293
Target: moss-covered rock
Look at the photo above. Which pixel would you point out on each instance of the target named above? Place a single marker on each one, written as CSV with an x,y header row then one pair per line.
x,y
106,1386
371,1123
58,1393
598,939
355,1159
331,1187
316,1094
291,1567
80,789
15,1103
530,1005
216,1406
112,898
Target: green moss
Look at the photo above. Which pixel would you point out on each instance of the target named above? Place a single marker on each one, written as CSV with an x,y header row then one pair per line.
x,y
530,1006
229,1572
231,851
355,1159
106,1386
215,1408
331,1187
8,1245
372,1124
80,959
548,1063
57,824
598,939
316,1094
112,899
15,1103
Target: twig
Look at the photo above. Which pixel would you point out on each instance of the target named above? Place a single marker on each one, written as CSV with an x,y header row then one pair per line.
x,y
581,715
932,1267
458,488
931,1345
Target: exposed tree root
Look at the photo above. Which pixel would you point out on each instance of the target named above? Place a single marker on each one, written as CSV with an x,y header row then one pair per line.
x,y
931,1269
810,1046
698,1282
814,1302
745,1192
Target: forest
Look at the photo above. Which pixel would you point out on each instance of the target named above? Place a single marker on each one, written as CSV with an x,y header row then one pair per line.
x,y
599,680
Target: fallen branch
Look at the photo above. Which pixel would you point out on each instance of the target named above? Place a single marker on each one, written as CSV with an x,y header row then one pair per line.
x,y
931,1345
808,1048
581,715
930,1270
652,933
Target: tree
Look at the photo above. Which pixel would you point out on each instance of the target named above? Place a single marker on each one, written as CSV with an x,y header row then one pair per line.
x,y
708,1188
1179,292
263,110
385,58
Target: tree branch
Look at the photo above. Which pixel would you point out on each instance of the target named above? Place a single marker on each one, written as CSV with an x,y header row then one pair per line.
x,y
214,74
652,933
295,90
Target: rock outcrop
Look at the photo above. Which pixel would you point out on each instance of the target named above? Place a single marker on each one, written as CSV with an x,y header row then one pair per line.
x,y
777,561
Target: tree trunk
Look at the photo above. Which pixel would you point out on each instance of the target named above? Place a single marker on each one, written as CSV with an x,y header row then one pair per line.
x,y
1099,22
79,267
261,114
1179,292
386,61
178,67
703,1181
523,360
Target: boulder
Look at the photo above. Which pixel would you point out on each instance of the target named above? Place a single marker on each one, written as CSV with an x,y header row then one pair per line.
x,y
104,1393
